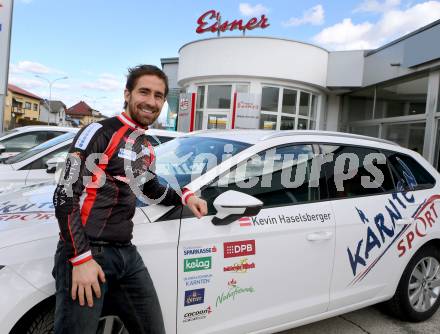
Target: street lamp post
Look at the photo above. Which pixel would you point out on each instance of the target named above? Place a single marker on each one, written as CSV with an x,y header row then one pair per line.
x,y
50,91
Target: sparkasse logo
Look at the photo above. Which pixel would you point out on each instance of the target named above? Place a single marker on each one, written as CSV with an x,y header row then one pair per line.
x,y
239,248
198,263
199,250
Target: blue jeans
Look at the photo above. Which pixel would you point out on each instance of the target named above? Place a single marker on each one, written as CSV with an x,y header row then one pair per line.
x,y
128,293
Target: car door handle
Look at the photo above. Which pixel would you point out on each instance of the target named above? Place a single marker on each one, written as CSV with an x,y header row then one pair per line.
x,y
317,236
405,221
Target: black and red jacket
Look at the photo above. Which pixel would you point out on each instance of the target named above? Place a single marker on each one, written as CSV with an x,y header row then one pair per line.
x,y
109,163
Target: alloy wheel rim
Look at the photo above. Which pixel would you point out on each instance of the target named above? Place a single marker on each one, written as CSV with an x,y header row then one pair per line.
x,y
424,284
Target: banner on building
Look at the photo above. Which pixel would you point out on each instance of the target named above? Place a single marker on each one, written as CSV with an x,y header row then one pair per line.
x,y
5,41
185,118
248,109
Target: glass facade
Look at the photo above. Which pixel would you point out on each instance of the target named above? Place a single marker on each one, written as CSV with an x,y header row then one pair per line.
x,y
394,111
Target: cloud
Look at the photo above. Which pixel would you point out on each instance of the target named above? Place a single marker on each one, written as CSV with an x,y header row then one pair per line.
x,y
27,66
314,16
375,6
106,82
392,24
27,83
247,9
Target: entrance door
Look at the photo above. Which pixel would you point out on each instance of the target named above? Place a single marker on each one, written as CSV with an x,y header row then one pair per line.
x,y
216,120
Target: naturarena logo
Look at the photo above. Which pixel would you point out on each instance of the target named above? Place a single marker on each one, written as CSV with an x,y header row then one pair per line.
x,y
198,263
239,248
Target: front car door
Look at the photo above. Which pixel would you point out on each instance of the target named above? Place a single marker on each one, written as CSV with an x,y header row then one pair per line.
x,y
263,271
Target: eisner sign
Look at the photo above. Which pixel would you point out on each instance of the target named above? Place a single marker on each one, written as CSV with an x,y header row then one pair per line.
x,y
211,22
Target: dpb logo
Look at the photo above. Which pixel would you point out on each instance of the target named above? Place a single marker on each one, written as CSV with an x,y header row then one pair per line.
x,y
198,263
239,248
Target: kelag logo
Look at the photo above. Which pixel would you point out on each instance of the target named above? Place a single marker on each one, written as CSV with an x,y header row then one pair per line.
x,y
198,263
193,297
239,248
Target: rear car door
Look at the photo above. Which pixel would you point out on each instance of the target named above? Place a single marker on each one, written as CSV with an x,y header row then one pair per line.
x,y
263,271
368,211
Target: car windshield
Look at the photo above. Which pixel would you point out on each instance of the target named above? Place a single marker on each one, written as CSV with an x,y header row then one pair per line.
x,y
186,158
40,148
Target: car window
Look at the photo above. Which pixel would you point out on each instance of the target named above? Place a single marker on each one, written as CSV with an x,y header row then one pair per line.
x,y
278,176
40,148
23,141
408,173
41,162
353,171
186,158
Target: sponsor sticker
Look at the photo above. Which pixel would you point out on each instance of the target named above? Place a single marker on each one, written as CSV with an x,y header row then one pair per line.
x,y
233,293
239,248
198,263
87,135
198,250
197,280
194,297
241,267
197,315
127,154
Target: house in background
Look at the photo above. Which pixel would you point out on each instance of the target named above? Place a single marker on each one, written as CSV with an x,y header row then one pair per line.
x,y
56,115
21,108
82,114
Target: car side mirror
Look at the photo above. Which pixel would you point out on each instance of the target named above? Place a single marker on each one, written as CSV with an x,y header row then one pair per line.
x,y
2,148
53,163
232,205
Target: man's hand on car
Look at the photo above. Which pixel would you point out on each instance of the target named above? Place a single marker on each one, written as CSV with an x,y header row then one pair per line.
x,y
84,279
198,206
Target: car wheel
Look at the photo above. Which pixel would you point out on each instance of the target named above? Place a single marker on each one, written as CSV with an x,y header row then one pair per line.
x,y
38,321
417,295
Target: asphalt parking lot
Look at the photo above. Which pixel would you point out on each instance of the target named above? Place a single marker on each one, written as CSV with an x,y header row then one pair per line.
x,y
369,320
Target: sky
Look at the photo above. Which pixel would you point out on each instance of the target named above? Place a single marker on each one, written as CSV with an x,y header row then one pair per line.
x,y
94,42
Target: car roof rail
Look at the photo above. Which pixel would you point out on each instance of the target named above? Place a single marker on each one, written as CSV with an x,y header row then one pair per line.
x,y
285,133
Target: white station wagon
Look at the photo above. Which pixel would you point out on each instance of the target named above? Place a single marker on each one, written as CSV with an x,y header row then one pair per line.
x,y
302,226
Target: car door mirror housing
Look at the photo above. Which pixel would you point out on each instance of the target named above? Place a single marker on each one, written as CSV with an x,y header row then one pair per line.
x,y
232,205
53,163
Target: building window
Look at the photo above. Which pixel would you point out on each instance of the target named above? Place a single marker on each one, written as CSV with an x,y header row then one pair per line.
x,y
28,105
219,96
269,99
287,109
35,107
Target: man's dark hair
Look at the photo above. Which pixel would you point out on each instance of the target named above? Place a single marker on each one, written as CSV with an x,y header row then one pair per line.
x,y
134,73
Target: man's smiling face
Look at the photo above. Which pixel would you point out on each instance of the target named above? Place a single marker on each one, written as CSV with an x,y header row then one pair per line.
x,y
145,101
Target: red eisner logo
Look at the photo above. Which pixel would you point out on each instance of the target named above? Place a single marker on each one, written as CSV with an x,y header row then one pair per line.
x,y
239,248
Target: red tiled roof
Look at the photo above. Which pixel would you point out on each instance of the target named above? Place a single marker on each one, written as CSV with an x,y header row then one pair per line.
x,y
80,109
21,91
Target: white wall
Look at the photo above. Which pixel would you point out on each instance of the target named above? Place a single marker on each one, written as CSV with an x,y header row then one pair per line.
x,y
333,108
262,57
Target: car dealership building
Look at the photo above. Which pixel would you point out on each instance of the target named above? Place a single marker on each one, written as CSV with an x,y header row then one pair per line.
x,y
270,83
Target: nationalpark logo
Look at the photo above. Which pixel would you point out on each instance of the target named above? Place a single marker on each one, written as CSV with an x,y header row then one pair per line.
x,y
239,248
194,297
234,291
198,263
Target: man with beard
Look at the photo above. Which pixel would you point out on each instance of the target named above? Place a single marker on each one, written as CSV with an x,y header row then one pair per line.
x,y
95,255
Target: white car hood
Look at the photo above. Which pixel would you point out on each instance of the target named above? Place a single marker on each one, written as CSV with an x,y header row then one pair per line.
x,y
27,214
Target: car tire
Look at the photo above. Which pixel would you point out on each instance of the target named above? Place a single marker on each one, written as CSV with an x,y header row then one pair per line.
x,y
38,321
417,296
